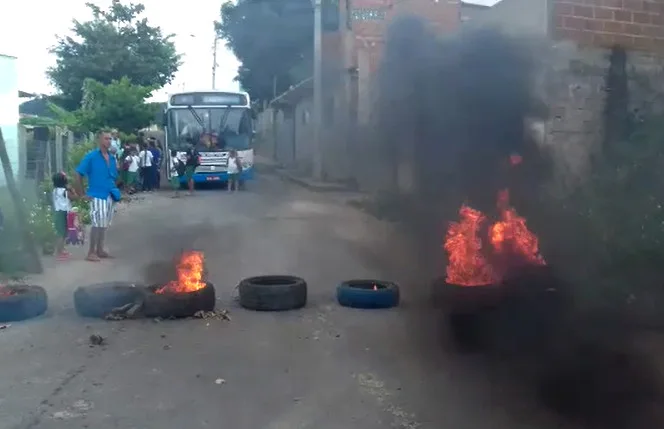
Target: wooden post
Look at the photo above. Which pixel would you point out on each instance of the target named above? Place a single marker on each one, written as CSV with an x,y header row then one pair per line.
x,y
58,149
34,259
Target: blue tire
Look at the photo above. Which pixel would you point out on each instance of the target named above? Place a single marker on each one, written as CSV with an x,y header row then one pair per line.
x,y
367,293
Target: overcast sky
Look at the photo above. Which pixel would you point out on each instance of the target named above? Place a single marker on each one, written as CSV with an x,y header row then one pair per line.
x,y
28,29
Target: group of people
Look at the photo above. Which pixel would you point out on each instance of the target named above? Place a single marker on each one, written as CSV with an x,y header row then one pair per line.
x,y
139,163
109,168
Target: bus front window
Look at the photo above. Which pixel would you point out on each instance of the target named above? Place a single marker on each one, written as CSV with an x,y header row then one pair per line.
x,y
223,128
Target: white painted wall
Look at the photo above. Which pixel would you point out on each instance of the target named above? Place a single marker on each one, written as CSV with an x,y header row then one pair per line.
x,y
9,102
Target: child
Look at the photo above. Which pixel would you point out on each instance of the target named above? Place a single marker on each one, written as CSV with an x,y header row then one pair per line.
x,y
132,163
61,206
234,169
75,231
176,170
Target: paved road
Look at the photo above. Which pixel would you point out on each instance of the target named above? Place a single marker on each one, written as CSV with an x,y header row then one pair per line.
x,y
324,367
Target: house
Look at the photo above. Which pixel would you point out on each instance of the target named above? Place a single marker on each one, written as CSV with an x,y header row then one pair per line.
x,y
9,102
574,41
352,47
575,62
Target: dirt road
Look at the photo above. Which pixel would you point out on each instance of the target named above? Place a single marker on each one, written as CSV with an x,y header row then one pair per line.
x,y
324,367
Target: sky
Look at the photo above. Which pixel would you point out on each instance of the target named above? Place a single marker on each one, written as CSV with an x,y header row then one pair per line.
x,y
28,28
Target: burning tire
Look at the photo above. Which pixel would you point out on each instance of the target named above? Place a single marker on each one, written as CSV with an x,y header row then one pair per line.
x,y
370,294
273,293
22,302
172,304
100,299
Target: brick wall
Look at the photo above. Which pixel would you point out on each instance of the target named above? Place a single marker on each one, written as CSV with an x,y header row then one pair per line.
x,y
634,24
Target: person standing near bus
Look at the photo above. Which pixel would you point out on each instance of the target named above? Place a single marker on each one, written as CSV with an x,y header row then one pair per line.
x,y
156,164
191,163
145,164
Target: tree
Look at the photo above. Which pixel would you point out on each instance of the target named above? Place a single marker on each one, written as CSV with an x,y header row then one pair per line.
x,y
116,43
120,104
270,38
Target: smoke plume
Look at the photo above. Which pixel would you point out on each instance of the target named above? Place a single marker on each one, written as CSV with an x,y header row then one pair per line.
x,y
458,108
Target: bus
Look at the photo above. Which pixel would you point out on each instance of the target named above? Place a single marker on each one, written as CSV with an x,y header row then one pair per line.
x,y
213,122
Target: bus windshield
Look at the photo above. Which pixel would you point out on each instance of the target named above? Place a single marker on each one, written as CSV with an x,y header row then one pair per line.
x,y
213,128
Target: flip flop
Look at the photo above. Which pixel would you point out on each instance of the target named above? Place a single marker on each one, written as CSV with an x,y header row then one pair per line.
x,y
92,258
104,255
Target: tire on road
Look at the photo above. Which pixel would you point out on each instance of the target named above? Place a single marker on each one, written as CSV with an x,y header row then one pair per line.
x,y
177,305
273,293
22,302
367,293
99,299
466,331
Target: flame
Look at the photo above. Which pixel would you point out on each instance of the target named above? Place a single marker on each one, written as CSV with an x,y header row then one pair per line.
x,y
468,263
189,274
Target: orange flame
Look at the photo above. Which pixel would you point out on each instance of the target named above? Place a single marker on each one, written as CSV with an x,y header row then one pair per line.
x,y
468,264
189,273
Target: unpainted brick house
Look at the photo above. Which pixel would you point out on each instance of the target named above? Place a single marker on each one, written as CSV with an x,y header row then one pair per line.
x,y
575,37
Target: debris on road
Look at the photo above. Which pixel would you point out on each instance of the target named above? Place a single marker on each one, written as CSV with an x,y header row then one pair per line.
x,y
97,340
219,381
127,311
217,314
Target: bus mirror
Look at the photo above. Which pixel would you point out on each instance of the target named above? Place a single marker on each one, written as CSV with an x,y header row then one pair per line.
x,y
164,121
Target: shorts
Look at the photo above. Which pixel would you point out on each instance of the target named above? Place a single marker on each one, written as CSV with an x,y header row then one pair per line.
x,y
233,177
101,212
175,182
131,178
189,172
60,223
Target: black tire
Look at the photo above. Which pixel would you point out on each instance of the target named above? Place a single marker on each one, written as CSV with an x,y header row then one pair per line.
x,y
367,293
273,293
178,305
99,299
466,331
23,302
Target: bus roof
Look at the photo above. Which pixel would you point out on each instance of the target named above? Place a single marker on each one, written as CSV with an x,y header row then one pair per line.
x,y
212,97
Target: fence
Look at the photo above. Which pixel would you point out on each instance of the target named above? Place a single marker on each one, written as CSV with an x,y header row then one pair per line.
x,y
46,151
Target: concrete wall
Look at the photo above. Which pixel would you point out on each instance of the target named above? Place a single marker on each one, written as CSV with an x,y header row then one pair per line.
x,y
9,102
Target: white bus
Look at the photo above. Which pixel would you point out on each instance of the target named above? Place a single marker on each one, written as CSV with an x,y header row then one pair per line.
x,y
214,122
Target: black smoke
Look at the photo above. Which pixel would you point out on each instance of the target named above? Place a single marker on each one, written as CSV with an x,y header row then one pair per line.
x,y
458,108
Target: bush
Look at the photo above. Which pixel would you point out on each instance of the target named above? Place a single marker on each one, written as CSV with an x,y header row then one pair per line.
x,y
615,218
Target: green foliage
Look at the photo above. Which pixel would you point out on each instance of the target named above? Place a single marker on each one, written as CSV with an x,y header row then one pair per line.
x,y
269,38
41,225
116,43
615,220
119,104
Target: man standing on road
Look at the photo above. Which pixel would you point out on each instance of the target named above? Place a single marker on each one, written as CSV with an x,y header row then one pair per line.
x,y
101,170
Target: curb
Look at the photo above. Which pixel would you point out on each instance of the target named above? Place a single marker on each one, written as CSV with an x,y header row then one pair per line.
x,y
313,186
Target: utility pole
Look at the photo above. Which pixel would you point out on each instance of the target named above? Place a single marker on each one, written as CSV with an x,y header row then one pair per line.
x,y
318,90
214,62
